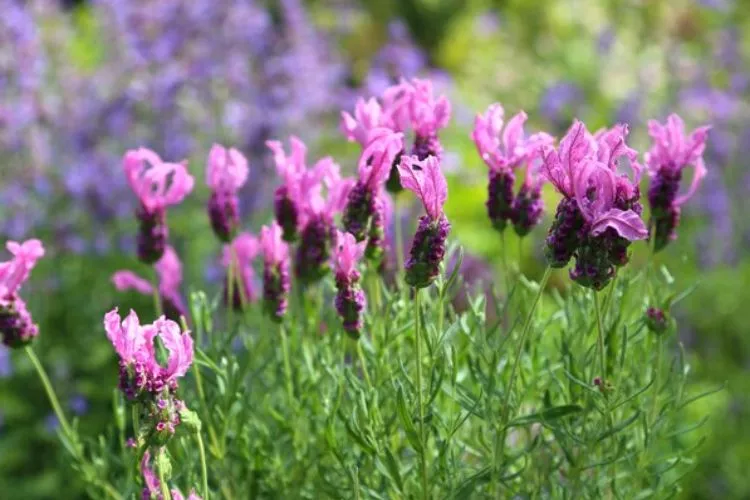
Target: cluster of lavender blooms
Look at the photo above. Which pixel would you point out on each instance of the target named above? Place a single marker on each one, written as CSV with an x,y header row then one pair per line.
x,y
600,213
157,86
504,150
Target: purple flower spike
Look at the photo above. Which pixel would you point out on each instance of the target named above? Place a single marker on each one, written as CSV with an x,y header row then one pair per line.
x,y
226,173
376,237
157,185
350,300
426,180
17,328
276,283
599,215
672,151
505,148
374,167
319,232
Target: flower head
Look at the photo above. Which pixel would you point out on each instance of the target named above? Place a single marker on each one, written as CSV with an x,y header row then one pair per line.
x,y
505,146
563,165
227,169
347,253
377,157
428,114
226,174
426,180
673,150
368,116
156,183
276,282
16,271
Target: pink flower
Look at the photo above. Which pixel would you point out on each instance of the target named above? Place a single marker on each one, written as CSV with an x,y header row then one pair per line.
x,y
243,250
368,116
673,150
126,336
595,194
611,148
150,479
377,158
157,184
396,105
562,166
347,253
134,343
169,270
428,114
326,173
227,169
506,147
426,180
275,249
177,495
15,272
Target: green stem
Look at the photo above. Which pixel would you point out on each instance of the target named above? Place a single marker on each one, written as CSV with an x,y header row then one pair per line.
x,y
287,365
363,362
165,493
50,393
600,338
204,469
157,298
506,413
657,379
420,401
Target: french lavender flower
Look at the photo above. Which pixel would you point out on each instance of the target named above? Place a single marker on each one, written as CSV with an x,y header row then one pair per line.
x,y
169,270
276,283
240,254
504,148
598,216
350,300
17,328
318,234
671,152
157,185
428,115
373,169
142,377
368,117
425,179
226,173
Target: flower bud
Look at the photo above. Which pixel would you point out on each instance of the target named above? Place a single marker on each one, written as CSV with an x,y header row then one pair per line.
x,y
276,286
658,320
350,302
360,207
314,250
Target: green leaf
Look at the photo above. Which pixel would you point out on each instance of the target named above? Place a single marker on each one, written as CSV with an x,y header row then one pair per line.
x,y
614,430
407,421
547,415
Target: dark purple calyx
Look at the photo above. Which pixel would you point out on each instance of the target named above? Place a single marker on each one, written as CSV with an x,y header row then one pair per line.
x,y
152,235
360,207
566,233
528,209
276,286
427,251
314,250
17,328
286,213
350,303
500,198
223,212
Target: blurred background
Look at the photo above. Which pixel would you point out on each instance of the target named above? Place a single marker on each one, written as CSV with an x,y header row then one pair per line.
x,y
83,81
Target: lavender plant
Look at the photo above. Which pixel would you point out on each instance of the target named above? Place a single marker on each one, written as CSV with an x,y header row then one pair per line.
x,y
360,388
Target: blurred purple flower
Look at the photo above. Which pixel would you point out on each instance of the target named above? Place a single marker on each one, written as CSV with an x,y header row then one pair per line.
x,y
79,404
559,100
